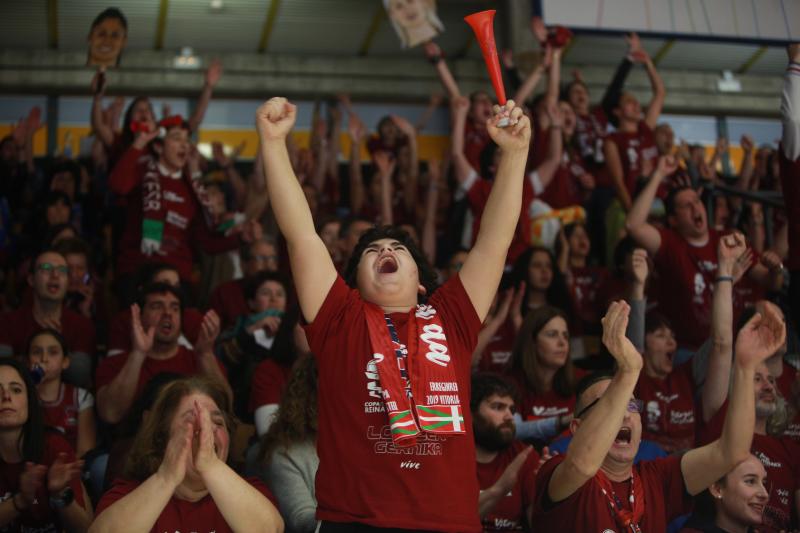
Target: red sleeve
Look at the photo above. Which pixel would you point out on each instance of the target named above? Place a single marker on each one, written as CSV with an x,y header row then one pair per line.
x,y
669,244
528,478
667,470
126,174
541,500
108,369
341,299
83,334
119,490
269,381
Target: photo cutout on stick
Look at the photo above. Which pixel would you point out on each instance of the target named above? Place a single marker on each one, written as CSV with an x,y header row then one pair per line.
x,y
107,38
415,21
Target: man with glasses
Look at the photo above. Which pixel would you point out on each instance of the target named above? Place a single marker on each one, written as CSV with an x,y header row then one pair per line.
x,y
595,486
48,279
228,299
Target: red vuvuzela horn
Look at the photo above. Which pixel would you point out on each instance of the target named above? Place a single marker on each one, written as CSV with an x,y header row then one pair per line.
x,y
482,23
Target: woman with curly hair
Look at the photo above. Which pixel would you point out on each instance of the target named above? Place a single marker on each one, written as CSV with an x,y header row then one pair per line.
x,y
176,478
289,450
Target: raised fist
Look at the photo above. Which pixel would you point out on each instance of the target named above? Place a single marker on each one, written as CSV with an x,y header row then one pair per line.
x,y
275,119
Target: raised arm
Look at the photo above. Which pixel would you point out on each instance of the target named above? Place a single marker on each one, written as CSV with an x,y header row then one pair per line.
x,y
636,298
434,102
409,179
529,85
435,56
484,264
715,389
312,267
385,165
356,130
548,167
659,93
428,237
614,89
790,104
644,233
99,124
554,78
595,433
614,165
757,341
213,74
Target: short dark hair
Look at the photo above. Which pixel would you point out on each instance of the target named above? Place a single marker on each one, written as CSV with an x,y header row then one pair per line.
x,y
344,229
486,384
655,321
157,288
252,284
53,333
587,381
148,271
427,274
40,253
74,246
669,201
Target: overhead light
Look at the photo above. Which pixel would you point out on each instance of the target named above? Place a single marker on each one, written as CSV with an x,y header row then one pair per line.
x,y
186,58
216,5
728,83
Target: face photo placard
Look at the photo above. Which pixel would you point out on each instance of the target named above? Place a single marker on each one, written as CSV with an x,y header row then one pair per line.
x,y
415,21
107,38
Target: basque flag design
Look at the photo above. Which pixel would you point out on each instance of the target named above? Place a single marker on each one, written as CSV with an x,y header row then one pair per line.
x,y
442,418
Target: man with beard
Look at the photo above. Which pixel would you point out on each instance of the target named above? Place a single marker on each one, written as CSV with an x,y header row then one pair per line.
x,y
506,466
779,454
595,486
156,327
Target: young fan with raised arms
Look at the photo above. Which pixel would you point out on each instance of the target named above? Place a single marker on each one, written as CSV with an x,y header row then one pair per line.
x,y
394,442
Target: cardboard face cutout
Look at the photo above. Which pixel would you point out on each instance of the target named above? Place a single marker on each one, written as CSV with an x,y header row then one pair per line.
x,y
107,39
415,21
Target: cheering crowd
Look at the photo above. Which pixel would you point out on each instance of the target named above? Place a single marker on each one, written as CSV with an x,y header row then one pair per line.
x,y
544,329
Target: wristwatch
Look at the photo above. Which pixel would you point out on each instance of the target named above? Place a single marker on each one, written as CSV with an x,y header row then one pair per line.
x,y
62,499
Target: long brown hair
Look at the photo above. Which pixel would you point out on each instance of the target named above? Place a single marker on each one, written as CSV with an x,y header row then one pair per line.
x,y
151,441
525,361
296,419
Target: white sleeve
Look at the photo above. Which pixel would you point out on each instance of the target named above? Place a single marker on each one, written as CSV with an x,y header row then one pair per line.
x,y
790,112
466,185
536,182
85,400
264,417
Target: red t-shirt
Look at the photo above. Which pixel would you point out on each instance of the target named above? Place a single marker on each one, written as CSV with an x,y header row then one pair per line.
x,y
686,275
590,130
62,414
587,509
40,516
564,189
584,286
478,196
790,181
19,325
781,460
475,140
635,148
363,477
119,334
201,516
496,356
184,224
229,301
669,408
269,382
510,513
547,404
184,362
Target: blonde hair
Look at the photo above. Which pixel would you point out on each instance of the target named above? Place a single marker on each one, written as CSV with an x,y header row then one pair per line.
x,y
430,16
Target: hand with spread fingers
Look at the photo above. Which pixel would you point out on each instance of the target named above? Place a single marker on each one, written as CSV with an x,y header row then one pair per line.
x,y
760,337
615,323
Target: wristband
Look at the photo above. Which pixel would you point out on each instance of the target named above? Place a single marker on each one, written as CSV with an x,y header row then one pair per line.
x,y
723,278
434,60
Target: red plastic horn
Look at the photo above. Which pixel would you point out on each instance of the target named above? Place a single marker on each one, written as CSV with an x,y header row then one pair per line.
x,y
482,24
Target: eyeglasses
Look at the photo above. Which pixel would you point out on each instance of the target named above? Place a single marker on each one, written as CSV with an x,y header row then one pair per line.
x,y
634,406
48,268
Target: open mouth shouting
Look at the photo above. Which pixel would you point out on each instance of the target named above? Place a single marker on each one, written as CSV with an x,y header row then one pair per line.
x,y
386,264
623,437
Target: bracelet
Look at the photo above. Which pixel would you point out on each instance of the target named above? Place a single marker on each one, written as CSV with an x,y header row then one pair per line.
x,y
434,60
723,278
